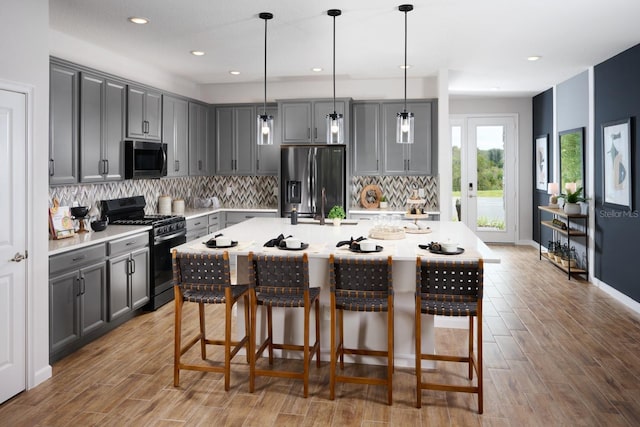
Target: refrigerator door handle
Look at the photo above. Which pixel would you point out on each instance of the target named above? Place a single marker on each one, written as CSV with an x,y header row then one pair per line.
x,y
312,170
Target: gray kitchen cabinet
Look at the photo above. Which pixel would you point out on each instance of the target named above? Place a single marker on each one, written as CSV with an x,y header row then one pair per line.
x,y
197,227
304,121
366,139
175,133
198,149
77,297
214,221
268,156
144,113
235,140
102,126
63,124
236,217
128,274
410,159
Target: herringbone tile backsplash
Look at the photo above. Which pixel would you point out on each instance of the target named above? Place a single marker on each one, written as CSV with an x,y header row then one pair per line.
x,y
246,191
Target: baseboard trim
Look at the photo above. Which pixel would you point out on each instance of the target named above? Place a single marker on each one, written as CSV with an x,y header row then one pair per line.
x,y
40,376
617,295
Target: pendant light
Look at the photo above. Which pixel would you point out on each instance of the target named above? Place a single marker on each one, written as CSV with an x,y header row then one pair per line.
x,y
265,122
335,121
404,120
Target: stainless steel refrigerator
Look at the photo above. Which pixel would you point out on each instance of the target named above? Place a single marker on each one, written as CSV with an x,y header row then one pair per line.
x,y
304,171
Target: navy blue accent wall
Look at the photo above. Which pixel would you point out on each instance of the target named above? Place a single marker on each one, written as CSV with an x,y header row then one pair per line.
x,y
542,125
617,233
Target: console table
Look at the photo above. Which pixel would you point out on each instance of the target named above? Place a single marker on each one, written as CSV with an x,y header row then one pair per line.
x,y
575,227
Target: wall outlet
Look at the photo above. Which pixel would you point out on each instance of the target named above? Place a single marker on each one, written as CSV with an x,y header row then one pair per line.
x,y
229,190
421,193
275,191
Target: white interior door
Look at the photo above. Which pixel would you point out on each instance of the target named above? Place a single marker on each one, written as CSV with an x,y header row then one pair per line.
x,y
12,244
484,186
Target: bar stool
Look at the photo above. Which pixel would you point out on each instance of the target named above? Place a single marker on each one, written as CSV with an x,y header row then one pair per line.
x,y
282,281
205,279
450,288
364,285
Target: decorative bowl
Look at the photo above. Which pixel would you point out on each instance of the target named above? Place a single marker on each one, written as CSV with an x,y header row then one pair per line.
x,y
79,211
98,225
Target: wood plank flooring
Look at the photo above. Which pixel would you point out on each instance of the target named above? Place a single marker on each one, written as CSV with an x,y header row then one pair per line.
x,y
557,352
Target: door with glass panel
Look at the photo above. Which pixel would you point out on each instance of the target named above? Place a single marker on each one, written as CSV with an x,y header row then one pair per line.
x,y
483,176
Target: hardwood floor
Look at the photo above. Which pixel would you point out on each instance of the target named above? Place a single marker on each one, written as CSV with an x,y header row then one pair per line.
x,y
556,352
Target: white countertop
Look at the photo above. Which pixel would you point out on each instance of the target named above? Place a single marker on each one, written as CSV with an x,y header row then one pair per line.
x,y
388,211
89,238
252,234
191,213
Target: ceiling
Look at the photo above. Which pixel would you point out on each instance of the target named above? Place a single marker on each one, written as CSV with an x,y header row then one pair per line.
x,y
484,45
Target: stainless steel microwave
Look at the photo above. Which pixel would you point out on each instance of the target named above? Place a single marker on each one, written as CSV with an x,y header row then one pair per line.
x,y
144,159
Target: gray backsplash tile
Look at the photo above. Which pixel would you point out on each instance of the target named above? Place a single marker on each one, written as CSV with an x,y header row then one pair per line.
x,y
246,191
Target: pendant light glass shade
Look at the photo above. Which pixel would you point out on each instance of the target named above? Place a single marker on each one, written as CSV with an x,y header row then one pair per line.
x,y
335,121
405,119
264,127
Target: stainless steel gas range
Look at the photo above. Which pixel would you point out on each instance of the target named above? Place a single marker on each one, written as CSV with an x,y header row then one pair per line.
x,y
167,232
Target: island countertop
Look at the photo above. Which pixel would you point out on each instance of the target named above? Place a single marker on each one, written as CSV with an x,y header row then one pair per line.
x,y
251,235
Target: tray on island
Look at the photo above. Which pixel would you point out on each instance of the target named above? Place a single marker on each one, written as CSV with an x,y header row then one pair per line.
x,y
441,252
211,244
360,251
302,247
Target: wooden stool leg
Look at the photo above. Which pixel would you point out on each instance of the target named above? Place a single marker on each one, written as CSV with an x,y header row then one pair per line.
x,y
470,352
177,335
227,339
203,344
252,342
341,341
333,361
390,366
305,375
270,332
318,332
247,326
479,360
418,354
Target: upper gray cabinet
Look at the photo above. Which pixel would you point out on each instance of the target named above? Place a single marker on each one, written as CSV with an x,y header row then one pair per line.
x,y
63,124
304,121
102,124
144,119
374,148
198,149
366,139
175,133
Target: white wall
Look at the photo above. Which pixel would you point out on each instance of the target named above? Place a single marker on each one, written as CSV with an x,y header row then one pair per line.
x,y
91,55
522,107
25,61
321,88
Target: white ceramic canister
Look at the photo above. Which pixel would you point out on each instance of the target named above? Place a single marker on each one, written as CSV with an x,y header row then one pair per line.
x,y
164,205
178,207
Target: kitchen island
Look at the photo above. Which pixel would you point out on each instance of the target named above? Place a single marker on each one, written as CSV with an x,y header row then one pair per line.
x,y
368,329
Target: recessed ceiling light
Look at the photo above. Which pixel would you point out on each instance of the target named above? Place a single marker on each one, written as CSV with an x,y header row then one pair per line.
x,y
402,67
316,69
235,73
197,52
533,58
138,20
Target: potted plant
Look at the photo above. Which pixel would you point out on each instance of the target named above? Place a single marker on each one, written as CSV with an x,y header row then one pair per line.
x,y
383,202
571,199
337,214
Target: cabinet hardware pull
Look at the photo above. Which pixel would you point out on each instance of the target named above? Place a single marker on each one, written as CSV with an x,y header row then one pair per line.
x,y
77,291
82,285
308,132
133,266
199,165
106,162
51,167
78,258
257,164
176,165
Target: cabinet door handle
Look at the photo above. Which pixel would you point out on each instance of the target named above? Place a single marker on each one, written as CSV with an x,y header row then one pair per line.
x,y
199,165
51,167
106,162
176,165
308,132
77,290
133,266
82,285
408,164
315,133
377,164
257,164
81,257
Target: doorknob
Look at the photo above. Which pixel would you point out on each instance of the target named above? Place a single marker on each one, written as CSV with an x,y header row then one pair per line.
x,y
17,257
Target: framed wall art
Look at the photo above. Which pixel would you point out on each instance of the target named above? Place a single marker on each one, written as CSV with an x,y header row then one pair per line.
x,y
542,162
616,168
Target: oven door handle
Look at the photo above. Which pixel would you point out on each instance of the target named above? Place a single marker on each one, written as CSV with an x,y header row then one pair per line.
x,y
159,239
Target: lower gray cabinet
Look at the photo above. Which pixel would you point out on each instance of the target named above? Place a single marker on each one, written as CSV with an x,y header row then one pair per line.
x,y
77,297
128,274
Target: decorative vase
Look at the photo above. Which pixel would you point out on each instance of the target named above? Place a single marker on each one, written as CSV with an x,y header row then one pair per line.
x,y
572,209
337,221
